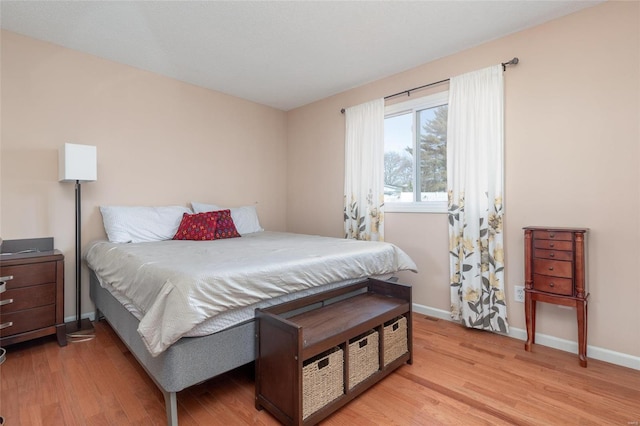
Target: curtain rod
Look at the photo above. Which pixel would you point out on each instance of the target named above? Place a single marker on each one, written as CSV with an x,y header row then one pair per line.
x,y
513,61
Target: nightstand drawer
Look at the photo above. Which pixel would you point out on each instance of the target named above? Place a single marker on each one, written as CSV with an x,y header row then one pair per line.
x,y
553,235
27,297
553,285
554,268
553,254
32,274
27,320
553,245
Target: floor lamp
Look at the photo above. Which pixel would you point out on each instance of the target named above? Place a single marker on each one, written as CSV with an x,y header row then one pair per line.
x,y
78,163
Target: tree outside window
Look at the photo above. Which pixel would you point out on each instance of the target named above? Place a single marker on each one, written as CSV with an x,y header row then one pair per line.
x,y
404,171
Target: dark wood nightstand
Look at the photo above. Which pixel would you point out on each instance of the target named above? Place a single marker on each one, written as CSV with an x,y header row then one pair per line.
x,y
554,269
33,304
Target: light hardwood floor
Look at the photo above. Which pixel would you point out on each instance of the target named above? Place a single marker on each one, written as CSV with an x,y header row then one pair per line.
x,y
459,377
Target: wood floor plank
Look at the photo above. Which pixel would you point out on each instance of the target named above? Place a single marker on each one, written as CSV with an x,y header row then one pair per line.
x,y
53,414
459,376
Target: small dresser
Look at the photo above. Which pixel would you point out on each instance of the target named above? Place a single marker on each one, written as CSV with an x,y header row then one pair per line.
x,y
32,304
555,265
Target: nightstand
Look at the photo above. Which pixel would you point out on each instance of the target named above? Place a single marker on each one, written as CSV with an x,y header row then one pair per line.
x,y
555,272
33,304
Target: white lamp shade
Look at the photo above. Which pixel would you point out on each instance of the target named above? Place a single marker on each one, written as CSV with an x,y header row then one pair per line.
x,y
77,162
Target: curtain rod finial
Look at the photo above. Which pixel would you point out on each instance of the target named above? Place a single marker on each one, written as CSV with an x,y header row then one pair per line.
x,y
513,61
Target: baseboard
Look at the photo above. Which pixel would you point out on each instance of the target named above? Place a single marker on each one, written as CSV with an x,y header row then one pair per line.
x,y
595,352
602,354
91,316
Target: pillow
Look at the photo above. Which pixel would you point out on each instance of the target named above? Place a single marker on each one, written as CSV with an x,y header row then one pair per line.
x,y
141,224
245,218
225,227
199,226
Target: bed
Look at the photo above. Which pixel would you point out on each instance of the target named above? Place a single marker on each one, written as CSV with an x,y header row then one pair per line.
x,y
185,309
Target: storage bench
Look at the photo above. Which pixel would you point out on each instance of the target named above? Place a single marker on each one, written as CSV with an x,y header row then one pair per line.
x,y
316,354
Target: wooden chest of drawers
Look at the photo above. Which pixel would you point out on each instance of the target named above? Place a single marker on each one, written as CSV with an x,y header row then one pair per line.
x,y
555,273
32,304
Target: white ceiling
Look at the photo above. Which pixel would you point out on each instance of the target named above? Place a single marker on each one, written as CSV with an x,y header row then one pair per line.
x,y
282,54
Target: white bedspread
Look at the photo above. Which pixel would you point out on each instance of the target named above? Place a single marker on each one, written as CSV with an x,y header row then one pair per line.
x,y
177,285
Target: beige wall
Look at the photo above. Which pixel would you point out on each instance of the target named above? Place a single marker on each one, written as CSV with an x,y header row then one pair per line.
x,y
572,159
159,142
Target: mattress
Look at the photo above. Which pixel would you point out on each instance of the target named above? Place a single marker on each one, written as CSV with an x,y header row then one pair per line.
x,y
191,288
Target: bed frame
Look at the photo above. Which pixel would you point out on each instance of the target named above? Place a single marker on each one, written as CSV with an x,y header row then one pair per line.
x,y
190,360
185,363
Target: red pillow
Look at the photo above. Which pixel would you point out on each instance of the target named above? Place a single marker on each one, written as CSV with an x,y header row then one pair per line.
x,y
225,228
199,226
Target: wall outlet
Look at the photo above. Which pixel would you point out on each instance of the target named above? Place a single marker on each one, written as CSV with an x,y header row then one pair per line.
x,y
518,296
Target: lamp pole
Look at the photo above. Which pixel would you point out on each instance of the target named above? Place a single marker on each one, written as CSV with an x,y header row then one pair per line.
x,y
78,256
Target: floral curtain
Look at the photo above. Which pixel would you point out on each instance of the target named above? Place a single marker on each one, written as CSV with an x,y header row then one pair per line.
x,y
364,172
475,168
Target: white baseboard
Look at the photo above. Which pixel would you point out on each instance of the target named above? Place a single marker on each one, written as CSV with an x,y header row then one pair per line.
x,y
602,354
88,315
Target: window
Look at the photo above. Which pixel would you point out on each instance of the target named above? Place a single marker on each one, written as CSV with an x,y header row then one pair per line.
x,y
416,183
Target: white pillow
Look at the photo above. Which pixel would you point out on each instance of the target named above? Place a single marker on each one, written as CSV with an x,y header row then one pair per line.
x,y
245,218
140,224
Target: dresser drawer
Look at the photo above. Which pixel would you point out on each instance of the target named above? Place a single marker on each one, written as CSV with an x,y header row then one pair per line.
x,y
553,245
32,304
553,235
27,297
27,320
553,268
553,254
32,274
553,285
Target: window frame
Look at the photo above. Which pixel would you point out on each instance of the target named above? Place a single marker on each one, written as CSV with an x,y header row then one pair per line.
x,y
412,106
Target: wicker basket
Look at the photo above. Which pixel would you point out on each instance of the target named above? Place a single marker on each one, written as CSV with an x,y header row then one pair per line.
x,y
395,339
322,380
363,357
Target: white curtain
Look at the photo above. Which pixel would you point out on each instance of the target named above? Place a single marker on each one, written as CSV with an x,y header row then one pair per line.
x,y
364,172
475,170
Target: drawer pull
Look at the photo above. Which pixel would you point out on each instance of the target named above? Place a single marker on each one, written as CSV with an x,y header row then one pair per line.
x,y
3,282
5,302
551,284
6,325
552,235
551,268
552,255
551,245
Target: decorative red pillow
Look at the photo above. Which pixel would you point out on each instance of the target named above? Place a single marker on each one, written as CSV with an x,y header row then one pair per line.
x,y
199,226
225,228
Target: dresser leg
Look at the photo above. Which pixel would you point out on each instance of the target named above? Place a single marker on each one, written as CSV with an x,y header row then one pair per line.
x,y
530,316
581,308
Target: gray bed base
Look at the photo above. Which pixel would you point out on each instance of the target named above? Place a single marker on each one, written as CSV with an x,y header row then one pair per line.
x,y
187,362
